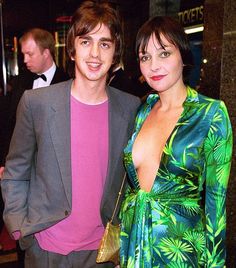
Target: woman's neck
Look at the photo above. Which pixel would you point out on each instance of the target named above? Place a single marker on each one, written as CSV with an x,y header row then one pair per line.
x,y
171,99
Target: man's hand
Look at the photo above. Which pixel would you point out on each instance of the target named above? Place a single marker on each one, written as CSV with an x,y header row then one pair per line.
x,y
1,172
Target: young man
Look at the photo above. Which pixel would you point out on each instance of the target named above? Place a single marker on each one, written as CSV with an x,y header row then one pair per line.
x,y
65,165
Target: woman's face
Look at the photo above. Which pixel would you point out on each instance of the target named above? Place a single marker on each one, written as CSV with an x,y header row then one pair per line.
x,y
161,68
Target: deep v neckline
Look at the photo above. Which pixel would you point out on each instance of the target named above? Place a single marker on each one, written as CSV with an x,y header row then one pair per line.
x,y
163,151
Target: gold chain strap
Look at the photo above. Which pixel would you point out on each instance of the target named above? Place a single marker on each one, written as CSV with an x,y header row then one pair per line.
x,y
118,198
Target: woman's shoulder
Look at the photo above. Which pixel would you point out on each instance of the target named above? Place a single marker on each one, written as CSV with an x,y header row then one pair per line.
x,y
216,105
205,101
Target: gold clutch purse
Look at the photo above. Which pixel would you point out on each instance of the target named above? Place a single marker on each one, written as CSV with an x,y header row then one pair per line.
x,y
109,249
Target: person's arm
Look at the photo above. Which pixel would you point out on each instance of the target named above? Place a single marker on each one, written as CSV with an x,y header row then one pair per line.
x,y
218,151
1,172
15,181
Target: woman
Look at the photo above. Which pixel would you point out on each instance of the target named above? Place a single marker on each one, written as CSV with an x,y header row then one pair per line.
x,y
178,162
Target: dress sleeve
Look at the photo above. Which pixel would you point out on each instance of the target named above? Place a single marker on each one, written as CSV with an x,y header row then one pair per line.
x,y
218,153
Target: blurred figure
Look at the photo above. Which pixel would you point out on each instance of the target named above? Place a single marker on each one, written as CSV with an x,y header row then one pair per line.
x,y
38,49
178,161
119,79
63,174
135,86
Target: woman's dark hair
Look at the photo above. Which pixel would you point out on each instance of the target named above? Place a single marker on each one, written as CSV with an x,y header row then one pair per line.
x,y
173,32
87,17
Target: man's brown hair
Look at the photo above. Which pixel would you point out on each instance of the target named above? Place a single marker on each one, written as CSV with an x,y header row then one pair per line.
x,y
87,17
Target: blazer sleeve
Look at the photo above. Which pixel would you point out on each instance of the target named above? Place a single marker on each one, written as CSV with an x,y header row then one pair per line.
x,y
20,160
218,152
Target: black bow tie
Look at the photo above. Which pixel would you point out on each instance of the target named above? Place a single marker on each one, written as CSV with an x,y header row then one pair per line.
x,y
36,76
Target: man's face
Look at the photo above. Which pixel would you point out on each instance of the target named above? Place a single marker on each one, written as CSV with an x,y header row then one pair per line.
x,y
94,54
34,58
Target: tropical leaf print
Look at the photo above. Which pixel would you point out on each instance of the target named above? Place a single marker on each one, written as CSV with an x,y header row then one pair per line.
x,y
191,207
210,143
130,263
222,174
181,222
175,249
178,264
177,230
197,240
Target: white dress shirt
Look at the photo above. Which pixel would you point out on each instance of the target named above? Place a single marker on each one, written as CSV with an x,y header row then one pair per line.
x,y
39,82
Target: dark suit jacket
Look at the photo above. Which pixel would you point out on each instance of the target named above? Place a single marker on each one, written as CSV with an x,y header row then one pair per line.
x,y
37,180
18,84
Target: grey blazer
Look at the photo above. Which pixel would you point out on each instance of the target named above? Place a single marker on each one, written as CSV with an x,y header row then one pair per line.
x,y
36,186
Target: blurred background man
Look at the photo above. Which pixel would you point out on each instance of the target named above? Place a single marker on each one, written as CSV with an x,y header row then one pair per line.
x,y
39,70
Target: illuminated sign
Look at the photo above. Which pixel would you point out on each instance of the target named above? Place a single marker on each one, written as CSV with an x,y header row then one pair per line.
x,y
63,19
192,16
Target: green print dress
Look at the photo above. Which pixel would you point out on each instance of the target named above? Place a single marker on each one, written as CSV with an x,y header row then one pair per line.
x,y
181,222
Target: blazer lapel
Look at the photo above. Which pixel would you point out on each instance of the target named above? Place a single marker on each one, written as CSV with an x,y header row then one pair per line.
x,y
117,135
59,124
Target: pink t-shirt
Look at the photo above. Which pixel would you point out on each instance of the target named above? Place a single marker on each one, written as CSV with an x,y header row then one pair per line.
x,y
83,228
